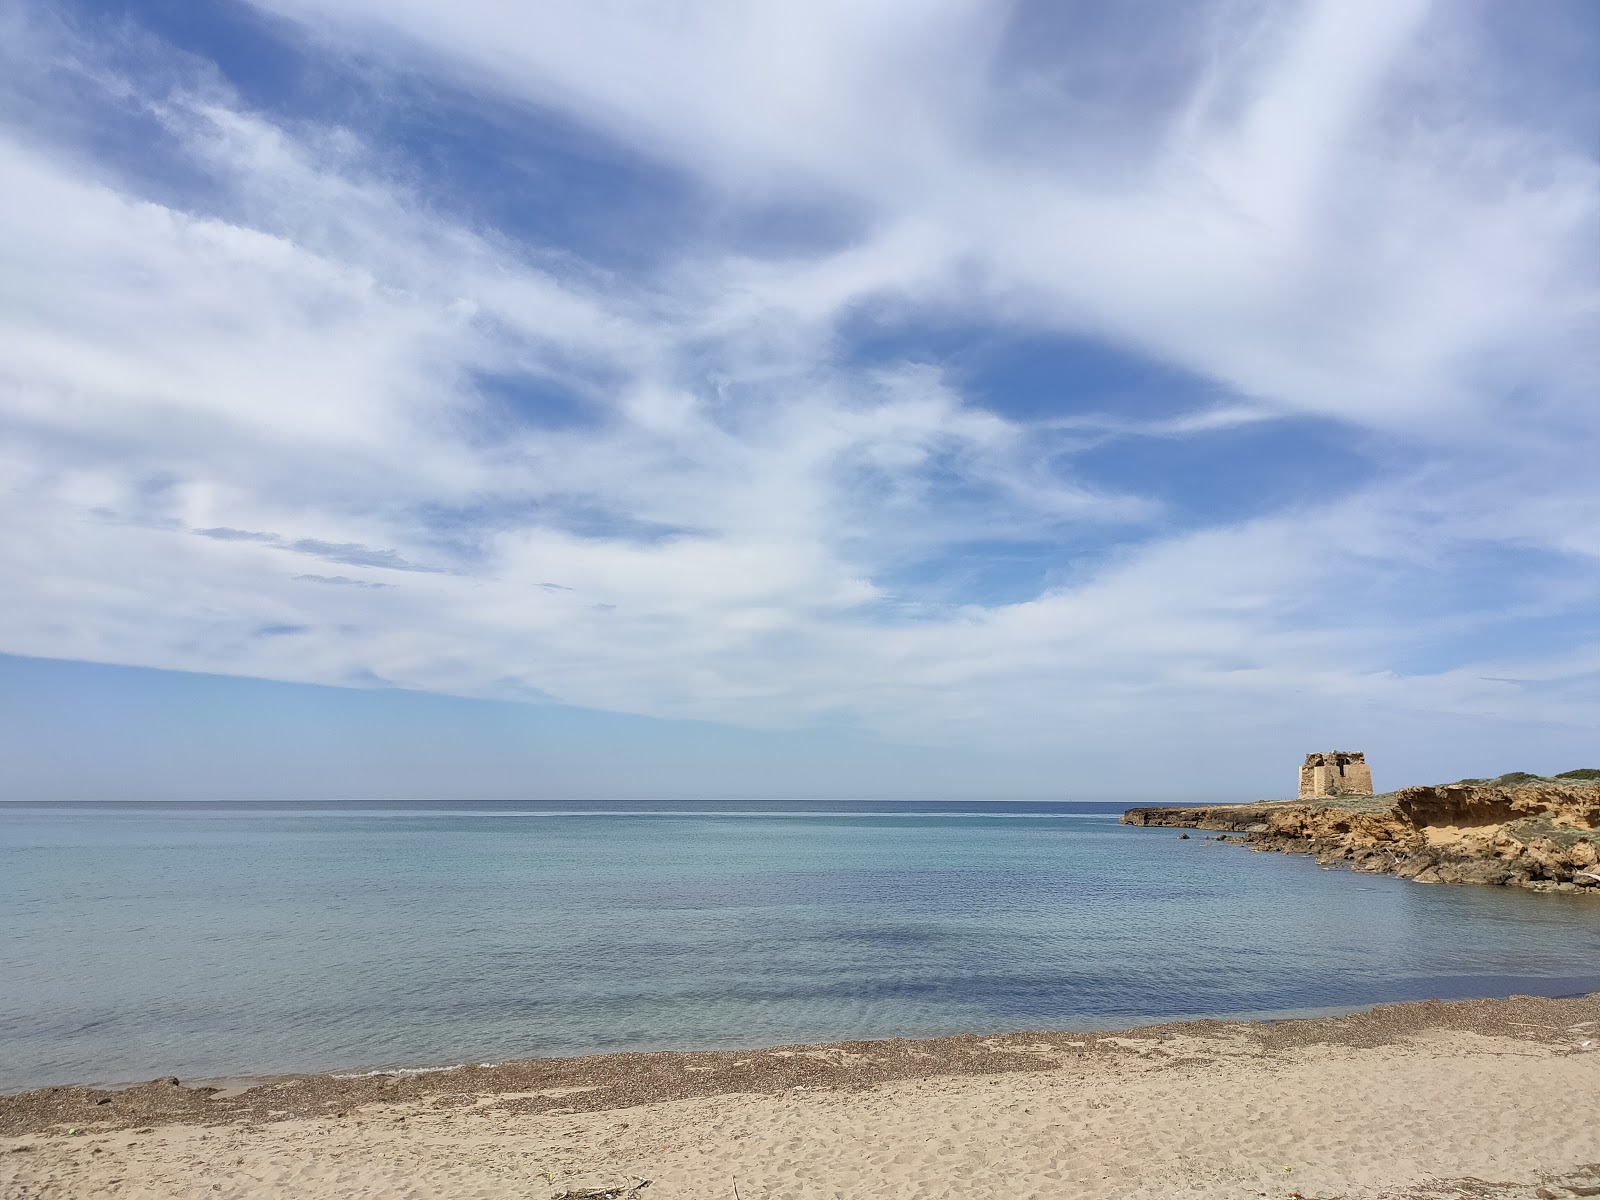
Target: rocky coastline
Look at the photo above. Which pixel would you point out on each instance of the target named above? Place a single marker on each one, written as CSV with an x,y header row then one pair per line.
x,y
1536,833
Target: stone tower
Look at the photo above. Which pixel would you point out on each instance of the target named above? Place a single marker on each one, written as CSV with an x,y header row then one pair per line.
x,y
1336,773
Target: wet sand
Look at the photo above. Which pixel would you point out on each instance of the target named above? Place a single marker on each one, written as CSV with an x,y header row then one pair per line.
x,y
1470,1098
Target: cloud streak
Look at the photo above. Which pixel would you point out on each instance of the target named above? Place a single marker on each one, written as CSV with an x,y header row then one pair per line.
x,y
753,514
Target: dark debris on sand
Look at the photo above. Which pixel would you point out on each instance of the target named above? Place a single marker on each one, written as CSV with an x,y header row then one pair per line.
x,y
611,1081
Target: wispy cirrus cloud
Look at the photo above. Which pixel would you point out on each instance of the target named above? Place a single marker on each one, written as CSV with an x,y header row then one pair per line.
x,y
750,480
352,554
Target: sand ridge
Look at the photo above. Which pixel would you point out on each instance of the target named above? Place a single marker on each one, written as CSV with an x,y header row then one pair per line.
x,y
1483,1098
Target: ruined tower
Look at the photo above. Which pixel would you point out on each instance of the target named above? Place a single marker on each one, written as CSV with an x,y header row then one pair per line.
x,y
1335,773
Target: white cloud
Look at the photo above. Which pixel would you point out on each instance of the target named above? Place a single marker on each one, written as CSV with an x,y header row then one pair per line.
x,y
727,532
1294,235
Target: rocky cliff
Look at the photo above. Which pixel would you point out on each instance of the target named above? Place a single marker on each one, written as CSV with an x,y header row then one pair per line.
x,y
1541,833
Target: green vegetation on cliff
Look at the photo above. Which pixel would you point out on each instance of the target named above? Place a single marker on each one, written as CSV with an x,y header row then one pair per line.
x,y
1581,773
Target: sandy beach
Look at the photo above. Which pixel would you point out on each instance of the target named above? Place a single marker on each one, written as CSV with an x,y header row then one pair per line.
x,y
1471,1099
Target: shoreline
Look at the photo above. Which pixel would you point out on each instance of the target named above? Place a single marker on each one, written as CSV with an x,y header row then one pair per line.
x,y
1423,1100
627,1078
239,1082
1539,834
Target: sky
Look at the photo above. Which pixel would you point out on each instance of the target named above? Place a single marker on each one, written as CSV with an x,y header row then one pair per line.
x,y
901,398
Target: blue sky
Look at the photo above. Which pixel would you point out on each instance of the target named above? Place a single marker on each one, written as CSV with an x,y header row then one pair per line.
x,y
861,398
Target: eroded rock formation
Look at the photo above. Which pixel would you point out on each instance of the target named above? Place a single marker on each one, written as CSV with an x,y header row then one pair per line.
x,y
1541,834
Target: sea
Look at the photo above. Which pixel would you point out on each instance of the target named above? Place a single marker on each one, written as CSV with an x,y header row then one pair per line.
x,y
227,940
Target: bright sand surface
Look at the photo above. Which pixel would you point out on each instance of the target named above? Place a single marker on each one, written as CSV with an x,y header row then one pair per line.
x,y
1480,1099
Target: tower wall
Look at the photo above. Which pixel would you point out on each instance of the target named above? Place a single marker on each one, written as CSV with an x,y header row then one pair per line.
x,y
1358,779
1335,773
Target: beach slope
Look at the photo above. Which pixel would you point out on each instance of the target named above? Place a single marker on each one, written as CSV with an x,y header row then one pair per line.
x,y
1471,1098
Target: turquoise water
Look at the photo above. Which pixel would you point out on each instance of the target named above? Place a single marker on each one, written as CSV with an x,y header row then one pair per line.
x,y
209,940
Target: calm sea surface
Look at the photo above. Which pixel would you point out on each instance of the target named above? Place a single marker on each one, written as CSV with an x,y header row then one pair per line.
x,y
206,940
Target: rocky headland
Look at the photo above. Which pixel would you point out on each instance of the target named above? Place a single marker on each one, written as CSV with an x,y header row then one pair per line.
x,y
1541,833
